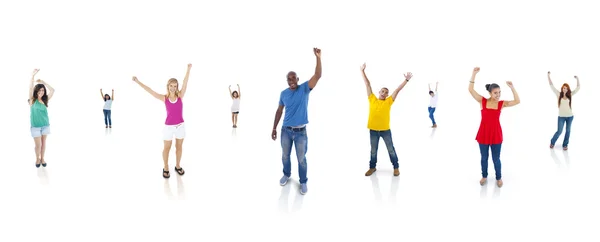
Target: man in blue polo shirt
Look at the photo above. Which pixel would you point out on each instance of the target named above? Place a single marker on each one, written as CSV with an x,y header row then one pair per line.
x,y
293,130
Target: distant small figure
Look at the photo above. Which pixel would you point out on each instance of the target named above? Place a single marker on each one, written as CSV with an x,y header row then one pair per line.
x,y
235,106
433,103
107,107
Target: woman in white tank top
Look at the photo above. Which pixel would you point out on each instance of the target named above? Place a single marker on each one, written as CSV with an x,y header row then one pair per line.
x,y
235,106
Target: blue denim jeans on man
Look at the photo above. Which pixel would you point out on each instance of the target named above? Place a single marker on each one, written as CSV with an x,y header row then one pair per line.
x,y
561,123
297,137
431,110
387,138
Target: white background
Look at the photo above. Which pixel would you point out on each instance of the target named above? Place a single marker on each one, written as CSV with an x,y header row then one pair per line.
x,y
105,185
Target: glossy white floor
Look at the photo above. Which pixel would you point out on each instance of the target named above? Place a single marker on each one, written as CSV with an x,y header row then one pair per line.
x,y
108,182
101,186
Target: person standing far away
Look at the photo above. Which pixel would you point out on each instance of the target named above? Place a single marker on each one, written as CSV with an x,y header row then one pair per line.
x,y
108,99
235,105
433,103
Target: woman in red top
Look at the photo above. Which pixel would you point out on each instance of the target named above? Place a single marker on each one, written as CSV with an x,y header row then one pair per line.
x,y
490,130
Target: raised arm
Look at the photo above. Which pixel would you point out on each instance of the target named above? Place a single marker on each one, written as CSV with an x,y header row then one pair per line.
x,y
185,81
436,87
49,89
315,78
35,71
474,93
577,88
407,77
113,95
239,91
367,82
556,92
230,92
152,92
101,94
516,99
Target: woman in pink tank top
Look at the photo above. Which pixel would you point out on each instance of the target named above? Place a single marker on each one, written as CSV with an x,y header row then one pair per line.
x,y
174,124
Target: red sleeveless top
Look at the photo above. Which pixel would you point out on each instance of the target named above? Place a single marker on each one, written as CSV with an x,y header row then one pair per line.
x,y
490,131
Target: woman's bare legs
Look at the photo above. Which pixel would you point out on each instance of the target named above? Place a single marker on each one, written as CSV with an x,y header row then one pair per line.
x,y
178,152
166,150
38,149
235,118
43,150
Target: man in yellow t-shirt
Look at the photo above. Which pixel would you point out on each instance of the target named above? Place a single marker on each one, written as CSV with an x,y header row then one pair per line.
x,y
379,121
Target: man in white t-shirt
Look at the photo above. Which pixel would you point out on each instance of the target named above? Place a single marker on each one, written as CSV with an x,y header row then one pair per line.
x,y
433,103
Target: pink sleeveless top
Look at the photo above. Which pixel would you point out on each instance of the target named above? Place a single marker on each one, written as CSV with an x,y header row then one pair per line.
x,y
174,111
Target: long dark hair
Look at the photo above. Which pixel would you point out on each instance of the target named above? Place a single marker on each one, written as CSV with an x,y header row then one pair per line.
x,y
106,97
34,95
563,94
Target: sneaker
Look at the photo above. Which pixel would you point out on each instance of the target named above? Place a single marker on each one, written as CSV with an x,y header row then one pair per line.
x,y
284,180
303,188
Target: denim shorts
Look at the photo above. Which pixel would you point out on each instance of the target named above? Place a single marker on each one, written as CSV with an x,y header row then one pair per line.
x,y
39,131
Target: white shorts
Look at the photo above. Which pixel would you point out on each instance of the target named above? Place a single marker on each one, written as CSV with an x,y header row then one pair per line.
x,y
177,131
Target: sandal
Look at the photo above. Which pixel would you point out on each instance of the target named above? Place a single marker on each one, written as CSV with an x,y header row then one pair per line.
x,y
483,181
180,171
551,146
565,148
166,174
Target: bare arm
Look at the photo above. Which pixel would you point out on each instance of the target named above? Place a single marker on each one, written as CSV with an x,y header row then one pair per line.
x,y
577,88
49,89
474,93
185,81
230,92
367,82
278,115
556,92
436,87
315,78
113,94
407,77
152,92
101,94
239,91
31,87
516,99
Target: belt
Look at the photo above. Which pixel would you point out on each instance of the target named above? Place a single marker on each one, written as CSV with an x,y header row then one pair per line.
x,y
295,129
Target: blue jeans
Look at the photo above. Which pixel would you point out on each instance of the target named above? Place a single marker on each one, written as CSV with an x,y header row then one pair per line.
x,y
431,111
561,123
485,149
298,137
387,138
107,119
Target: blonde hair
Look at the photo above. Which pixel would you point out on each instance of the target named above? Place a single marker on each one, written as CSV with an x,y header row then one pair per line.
x,y
173,80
